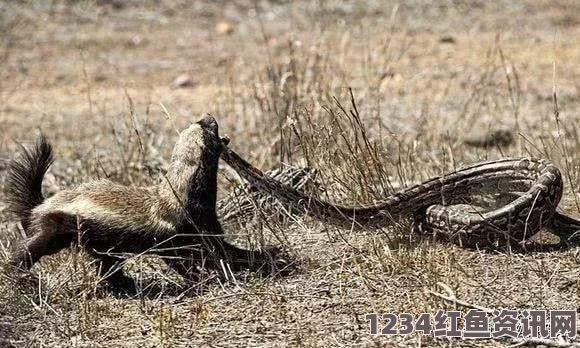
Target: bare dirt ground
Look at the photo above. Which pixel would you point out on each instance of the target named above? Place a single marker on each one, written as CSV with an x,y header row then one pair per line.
x,y
99,78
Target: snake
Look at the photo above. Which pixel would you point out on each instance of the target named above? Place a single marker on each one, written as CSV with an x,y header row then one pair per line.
x,y
534,187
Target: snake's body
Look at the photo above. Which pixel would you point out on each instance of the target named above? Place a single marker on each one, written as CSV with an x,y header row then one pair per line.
x,y
538,184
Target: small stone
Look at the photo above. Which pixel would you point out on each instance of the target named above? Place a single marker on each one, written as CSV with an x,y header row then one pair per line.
x,y
183,81
135,41
325,291
224,27
490,138
115,4
447,39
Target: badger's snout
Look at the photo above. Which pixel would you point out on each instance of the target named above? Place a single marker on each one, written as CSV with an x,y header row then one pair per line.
x,y
209,123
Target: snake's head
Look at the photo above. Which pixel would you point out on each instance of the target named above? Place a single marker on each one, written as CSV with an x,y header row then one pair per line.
x,y
225,140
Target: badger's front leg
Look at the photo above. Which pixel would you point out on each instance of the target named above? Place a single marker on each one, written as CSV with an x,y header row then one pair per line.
x,y
191,254
265,262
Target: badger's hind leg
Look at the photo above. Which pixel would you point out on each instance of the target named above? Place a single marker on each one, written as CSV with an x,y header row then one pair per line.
x,y
50,233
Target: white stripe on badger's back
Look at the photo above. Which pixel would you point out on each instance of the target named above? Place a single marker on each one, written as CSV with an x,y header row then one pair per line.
x,y
110,203
140,218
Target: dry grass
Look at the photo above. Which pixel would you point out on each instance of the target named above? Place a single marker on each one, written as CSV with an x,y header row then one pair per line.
x,y
96,77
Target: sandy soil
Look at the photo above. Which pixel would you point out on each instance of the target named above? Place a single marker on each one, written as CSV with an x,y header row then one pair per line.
x,y
96,75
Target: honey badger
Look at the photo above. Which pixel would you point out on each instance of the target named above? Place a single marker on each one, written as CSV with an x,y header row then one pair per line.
x,y
175,218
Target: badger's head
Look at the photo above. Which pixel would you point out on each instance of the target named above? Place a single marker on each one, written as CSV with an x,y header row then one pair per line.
x,y
199,143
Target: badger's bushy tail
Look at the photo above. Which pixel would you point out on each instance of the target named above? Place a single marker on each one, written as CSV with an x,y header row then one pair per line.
x,y
23,185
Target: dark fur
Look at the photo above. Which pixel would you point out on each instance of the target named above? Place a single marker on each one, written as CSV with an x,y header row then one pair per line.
x,y
23,187
110,218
